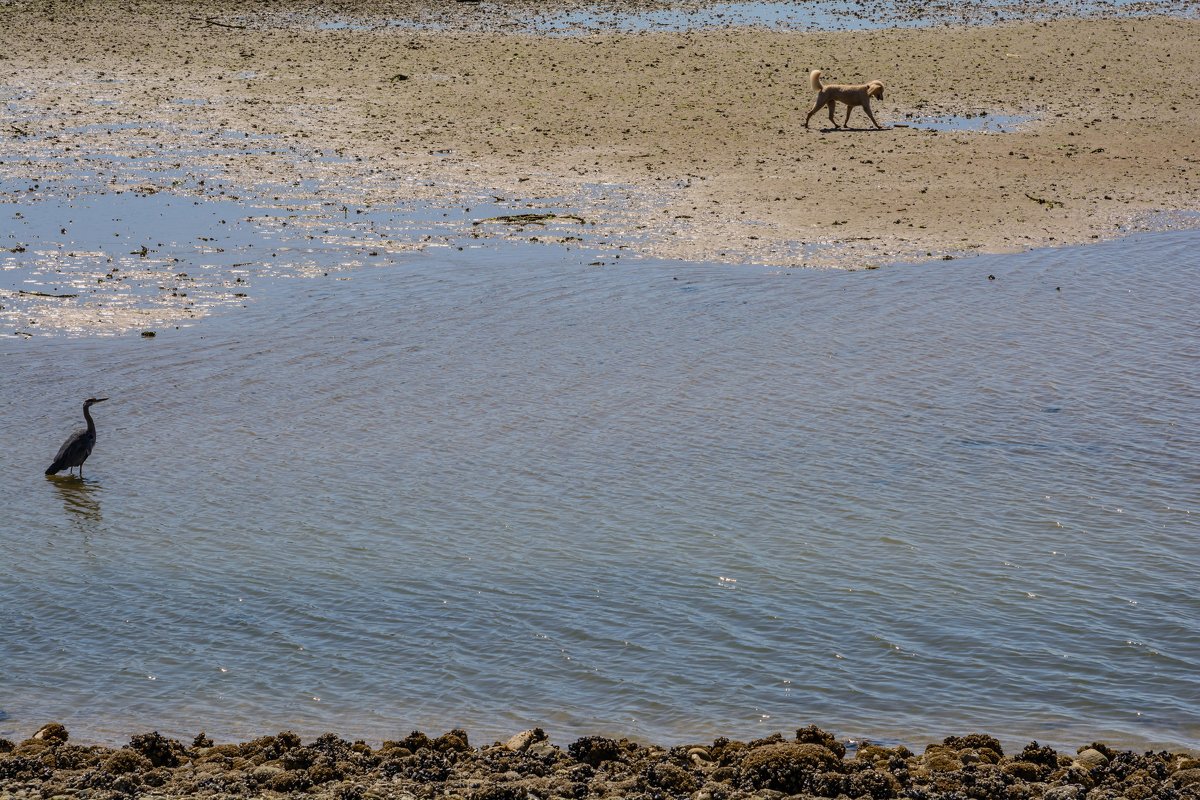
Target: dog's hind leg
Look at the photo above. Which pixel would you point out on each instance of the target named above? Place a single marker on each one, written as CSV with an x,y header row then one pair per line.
x,y
816,106
846,121
832,108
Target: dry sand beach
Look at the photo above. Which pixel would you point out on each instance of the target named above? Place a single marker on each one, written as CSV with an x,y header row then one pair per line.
x,y
685,144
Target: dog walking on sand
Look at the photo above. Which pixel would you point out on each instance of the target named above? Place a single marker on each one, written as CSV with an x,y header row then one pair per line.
x,y
850,95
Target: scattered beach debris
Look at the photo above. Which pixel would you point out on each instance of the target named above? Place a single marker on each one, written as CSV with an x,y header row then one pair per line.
x,y
531,219
1044,202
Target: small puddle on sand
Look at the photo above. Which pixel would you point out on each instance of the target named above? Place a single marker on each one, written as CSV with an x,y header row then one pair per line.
x,y
982,122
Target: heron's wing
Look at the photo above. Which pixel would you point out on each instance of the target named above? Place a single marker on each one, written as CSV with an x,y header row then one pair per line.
x,y
77,445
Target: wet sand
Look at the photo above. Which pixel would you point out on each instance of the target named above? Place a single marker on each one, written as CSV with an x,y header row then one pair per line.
x,y
676,144
812,763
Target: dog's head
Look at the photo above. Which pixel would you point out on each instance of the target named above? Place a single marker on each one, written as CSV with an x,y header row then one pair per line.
x,y
875,89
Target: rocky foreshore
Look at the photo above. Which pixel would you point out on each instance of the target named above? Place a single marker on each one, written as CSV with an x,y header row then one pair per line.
x,y
812,763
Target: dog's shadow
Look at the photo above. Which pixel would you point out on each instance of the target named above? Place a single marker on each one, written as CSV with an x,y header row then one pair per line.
x,y
855,130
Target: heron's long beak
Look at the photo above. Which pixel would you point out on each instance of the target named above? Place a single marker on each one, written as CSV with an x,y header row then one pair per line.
x,y
99,399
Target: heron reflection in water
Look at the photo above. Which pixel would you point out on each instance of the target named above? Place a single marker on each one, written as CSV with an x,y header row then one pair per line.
x,y
80,498
78,445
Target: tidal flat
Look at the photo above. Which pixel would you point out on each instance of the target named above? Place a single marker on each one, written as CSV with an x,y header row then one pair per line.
x,y
686,142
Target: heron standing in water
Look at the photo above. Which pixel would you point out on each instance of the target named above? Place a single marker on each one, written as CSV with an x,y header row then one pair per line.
x,y
78,445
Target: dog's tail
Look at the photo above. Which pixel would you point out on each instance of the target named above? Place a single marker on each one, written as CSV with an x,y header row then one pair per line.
x,y
814,79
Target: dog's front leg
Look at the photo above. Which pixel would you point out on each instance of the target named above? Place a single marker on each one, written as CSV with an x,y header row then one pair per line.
x,y
867,108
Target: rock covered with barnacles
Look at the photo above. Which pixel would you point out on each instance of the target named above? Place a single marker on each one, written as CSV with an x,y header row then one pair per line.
x,y
810,764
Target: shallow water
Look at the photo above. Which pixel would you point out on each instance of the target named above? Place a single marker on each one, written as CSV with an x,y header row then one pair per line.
x,y
81,261
499,487
773,14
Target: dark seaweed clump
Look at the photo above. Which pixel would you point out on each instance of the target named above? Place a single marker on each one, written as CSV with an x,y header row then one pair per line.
x,y
812,764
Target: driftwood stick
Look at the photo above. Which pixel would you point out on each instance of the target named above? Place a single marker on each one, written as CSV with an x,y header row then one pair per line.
x,y
46,294
213,21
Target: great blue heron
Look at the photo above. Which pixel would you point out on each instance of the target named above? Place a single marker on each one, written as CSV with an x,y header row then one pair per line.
x,y
78,445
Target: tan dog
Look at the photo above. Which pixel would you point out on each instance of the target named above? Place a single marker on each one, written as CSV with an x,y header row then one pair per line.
x,y
850,95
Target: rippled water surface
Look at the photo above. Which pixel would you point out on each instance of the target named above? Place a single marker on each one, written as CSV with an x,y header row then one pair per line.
x,y
499,487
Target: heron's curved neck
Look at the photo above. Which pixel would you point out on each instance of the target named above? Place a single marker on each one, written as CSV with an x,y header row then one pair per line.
x,y
88,416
